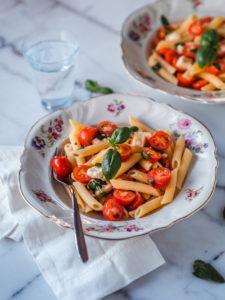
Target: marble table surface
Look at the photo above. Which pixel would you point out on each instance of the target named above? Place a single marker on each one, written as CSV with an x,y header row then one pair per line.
x,y
97,23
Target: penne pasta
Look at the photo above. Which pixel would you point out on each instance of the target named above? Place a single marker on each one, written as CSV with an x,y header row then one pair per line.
x,y
167,67
216,23
186,24
140,125
208,87
214,80
129,163
171,188
92,149
134,186
145,164
147,207
138,175
70,154
87,196
178,151
167,76
184,166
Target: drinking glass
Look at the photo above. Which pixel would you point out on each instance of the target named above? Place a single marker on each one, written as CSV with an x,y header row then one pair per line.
x,y
52,54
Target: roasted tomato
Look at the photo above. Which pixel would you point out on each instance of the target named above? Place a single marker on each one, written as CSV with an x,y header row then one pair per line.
x,y
80,174
159,177
124,197
86,135
160,140
137,202
213,70
106,127
196,28
184,82
151,155
112,210
197,85
125,151
189,51
61,166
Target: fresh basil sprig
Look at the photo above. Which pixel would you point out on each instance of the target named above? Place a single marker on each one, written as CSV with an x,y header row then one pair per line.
x,y
165,23
206,271
145,155
94,87
111,163
207,52
95,185
120,135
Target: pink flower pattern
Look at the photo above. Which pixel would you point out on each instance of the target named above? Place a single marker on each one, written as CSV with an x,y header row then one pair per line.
x,y
192,193
140,28
113,228
184,123
116,107
42,196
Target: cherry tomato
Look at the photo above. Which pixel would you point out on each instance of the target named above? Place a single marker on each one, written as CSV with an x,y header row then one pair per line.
x,y
163,51
189,51
160,140
162,33
169,55
106,127
80,174
137,202
196,28
213,70
112,210
61,166
86,135
184,82
174,64
221,51
153,155
160,177
124,197
125,151
206,20
199,84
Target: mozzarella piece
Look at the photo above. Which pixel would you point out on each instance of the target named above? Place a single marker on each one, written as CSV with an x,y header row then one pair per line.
x,y
173,36
95,172
184,62
180,49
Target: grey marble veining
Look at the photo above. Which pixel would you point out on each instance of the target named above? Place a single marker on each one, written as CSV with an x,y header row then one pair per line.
x,y
96,23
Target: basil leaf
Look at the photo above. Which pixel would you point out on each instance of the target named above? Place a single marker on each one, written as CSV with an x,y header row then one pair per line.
x,y
165,22
205,56
93,86
145,155
156,67
209,39
111,163
134,128
120,135
206,271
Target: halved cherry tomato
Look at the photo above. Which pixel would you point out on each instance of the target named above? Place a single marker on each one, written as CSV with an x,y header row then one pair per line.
x,y
206,20
137,202
124,197
162,51
153,155
199,84
112,210
221,51
185,82
61,166
159,177
169,55
196,28
174,64
188,50
80,174
125,151
106,127
160,140
213,70
162,33
86,135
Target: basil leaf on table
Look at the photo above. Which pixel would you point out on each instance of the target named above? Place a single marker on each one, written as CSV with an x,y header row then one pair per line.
x,y
120,135
205,56
209,39
111,163
93,86
206,271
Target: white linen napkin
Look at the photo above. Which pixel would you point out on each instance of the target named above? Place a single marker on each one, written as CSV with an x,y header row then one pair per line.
x,y
111,266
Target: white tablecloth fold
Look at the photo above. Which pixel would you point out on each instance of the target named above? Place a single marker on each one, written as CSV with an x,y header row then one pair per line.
x,y
111,266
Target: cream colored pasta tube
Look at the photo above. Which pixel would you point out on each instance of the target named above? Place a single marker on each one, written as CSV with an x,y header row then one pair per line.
x,y
167,76
145,164
164,64
87,196
186,24
129,163
70,154
171,188
148,207
97,158
216,23
214,80
134,186
178,151
92,149
184,166
141,126
138,175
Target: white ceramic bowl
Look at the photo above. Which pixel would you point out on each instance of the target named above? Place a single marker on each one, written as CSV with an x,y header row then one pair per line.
x,y
138,29
49,132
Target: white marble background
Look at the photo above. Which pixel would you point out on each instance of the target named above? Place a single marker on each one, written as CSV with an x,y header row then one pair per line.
x,y
96,23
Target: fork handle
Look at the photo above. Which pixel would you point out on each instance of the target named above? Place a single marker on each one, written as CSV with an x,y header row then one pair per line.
x,y
79,233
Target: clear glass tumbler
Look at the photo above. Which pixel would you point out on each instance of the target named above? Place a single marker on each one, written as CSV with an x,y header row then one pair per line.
x,y
52,54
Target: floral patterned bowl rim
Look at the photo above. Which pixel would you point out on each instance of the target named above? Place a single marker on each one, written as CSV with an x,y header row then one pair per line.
x,y
138,29
50,131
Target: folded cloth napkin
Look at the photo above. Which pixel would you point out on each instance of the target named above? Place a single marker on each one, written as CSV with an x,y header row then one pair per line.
x,y
111,266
